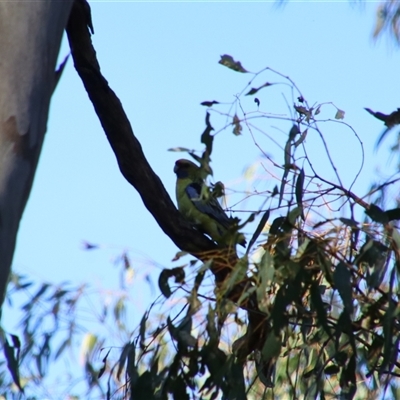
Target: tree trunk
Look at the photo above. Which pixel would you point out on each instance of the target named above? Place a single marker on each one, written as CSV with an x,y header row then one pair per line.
x,y
30,38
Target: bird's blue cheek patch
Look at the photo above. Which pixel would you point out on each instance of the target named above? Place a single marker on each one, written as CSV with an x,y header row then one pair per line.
x,y
182,173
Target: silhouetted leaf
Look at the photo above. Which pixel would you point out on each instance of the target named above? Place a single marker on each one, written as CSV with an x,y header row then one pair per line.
x,y
288,156
266,271
342,280
206,137
181,333
287,166
177,149
126,261
255,90
308,372
319,307
58,294
63,346
301,139
295,213
16,342
306,327
103,368
179,389
12,363
396,237
200,276
294,131
163,284
211,329
123,357
272,347
131,369
302,111
143,387
237,130
371,252
206,266
119,309
390,120
390,348
196,157
179,274
382,136
377,214
348,379
381,18
186,323
259,229
344,325
265,369
301,250
24,285
89,246
40,292
215,360
375,255
349,222
395,389
209,103
341,358
179,254
299,192
257,101
235,380
142,330
229,62
331,370
278,314
393,214
217,189
374,352
339,114
238,273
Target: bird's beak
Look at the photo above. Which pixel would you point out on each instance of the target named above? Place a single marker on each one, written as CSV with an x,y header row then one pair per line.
x,y
176,168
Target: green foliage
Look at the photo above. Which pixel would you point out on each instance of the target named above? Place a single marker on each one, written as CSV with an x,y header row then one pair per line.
x,y
311,310
60,324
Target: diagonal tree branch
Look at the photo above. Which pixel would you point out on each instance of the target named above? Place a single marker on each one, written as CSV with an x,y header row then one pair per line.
x,y
137,171
128,151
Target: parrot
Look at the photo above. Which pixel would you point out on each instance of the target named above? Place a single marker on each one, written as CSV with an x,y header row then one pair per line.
x,y
199,207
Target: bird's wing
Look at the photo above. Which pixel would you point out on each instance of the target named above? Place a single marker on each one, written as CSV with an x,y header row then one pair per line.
x,y
209,206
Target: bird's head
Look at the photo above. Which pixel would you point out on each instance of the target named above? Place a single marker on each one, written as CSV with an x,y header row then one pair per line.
x,y
187,169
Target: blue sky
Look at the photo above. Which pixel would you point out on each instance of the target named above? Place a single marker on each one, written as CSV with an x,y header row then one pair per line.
x,y
161,59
